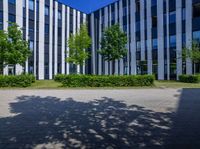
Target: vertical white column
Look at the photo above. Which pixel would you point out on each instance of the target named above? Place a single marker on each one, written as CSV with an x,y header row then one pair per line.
x,y
106,25
19,21
68,34
78,27
100,36
116,21
56,39
160,40
142,29
63,41
121,25
168,47
84,21
35,36
27,34
179,38
128,43
93,43
41,40
133,39
5,26
74,27
110,23
149,37
188,33
51,40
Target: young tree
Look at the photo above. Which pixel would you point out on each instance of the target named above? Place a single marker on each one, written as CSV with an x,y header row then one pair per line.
x,y
78,44
193,53
113,44
3,48
13,49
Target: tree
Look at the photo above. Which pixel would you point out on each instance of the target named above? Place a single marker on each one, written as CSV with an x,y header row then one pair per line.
x,y
113,44
78,44
13,49
193,53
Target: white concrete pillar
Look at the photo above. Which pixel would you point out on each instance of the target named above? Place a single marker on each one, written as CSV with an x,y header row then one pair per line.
x,y
121,25
93,44
56,39
67,36
27,35
63,41
19,21
5,26
178,38
106,25
168,46
133,39
41,40
35,38
149,37
160,40
51,40
100,36
188,33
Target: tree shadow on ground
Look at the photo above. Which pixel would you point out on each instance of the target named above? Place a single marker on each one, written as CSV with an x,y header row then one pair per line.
x,y
53,123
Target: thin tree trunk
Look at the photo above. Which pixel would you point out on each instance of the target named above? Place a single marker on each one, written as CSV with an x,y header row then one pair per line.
x,y
194,65
113,70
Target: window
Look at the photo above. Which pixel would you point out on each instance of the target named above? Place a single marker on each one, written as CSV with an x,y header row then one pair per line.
x,y
11,1
172,17
46,10
153,2
154,21
59,15
155,43
196,10
137,26
138,45
11,18
31,46
46,28
196,36
125,11
172,41
183,14
31,5
24,3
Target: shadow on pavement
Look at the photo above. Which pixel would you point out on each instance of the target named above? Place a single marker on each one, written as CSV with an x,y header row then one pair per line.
x,y
185,131
53,123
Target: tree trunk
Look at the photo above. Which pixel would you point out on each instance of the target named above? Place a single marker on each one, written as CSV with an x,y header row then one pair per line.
x,y
1,68
113,65
194,67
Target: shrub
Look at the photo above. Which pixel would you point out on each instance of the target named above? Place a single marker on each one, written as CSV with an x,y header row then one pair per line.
x,y
16,81
189,78
104,81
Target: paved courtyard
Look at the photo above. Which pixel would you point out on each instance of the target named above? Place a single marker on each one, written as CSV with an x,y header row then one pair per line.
x,y
100,119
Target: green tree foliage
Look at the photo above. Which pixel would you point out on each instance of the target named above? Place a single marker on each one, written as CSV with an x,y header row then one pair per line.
x,y
192,52
13,48
78,44
113,43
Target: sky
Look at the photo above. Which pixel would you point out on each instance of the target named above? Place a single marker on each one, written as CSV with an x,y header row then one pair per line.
x,y
87,6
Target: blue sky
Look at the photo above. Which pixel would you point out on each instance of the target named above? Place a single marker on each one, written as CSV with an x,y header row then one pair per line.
x,y
87,6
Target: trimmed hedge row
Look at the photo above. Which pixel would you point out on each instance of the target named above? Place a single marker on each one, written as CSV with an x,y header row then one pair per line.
x,y
189,78
104,81
16,81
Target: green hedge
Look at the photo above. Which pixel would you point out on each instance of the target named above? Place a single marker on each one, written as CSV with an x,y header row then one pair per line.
x,y
104,81
16,81
189,78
